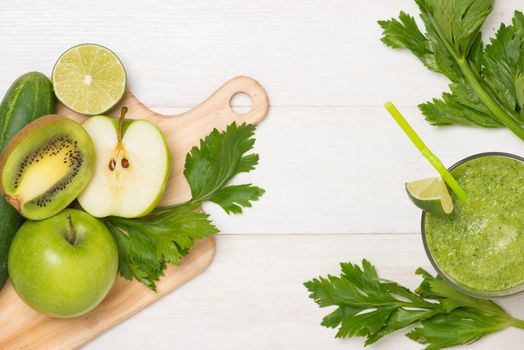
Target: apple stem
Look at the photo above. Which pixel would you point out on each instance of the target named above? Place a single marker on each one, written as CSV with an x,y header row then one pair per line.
x,y
71,229
123,113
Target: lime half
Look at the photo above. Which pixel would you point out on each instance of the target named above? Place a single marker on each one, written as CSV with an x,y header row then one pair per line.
x,y
430,195
89,79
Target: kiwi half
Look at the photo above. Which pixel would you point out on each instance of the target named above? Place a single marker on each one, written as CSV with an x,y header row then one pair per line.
x,y
46,166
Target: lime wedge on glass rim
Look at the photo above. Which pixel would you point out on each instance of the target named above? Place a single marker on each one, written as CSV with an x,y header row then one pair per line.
x,y
430,195
89,79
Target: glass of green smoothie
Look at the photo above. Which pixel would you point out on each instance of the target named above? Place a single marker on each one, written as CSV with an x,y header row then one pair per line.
x,y
479,247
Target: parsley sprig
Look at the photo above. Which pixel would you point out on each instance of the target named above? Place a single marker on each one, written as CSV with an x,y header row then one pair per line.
x,y
371,307
147,245
487,83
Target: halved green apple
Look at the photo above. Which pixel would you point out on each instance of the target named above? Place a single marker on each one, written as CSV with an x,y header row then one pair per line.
x,y
132,167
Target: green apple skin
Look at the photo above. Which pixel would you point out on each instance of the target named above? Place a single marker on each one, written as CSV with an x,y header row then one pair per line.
x,y
57,278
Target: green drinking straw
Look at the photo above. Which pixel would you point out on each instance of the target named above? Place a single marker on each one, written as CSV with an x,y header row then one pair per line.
x,y
435,162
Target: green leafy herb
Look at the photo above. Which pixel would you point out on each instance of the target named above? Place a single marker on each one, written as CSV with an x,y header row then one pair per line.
x,y
219,158
371,307
147,245
487,83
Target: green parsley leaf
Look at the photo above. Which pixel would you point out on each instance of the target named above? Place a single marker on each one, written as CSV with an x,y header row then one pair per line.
x,y
450,297
459,327
147,245
233,198
221,156
367,305
371,307
487,84
404,33
503,65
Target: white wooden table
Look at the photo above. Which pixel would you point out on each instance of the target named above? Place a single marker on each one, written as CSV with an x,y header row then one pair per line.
x,y
333,162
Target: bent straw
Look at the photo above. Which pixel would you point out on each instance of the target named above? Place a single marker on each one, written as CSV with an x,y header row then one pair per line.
x,y
435,162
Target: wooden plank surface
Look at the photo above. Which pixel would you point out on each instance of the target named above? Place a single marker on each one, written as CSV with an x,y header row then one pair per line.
x,y
252,297
304,52
360,157
327,75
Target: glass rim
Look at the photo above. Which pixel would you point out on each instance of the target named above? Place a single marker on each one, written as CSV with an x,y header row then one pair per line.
x,y
482,294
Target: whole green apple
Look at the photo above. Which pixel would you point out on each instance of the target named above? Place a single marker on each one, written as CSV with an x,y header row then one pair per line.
x,y
63,266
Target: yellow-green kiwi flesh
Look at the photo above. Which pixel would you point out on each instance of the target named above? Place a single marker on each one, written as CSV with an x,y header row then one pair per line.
x,y
46,166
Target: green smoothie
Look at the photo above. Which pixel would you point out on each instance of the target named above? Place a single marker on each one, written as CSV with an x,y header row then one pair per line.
x,y
480,245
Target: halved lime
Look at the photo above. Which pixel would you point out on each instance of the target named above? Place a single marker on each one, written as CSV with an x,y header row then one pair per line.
x,y
89,79
430,195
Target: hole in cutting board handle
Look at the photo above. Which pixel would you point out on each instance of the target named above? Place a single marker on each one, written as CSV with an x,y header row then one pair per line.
x,y
241,103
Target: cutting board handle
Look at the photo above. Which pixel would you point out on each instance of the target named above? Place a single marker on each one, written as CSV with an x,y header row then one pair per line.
x,y
218,105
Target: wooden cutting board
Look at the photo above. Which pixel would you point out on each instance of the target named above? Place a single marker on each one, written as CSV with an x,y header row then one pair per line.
x,y
23,328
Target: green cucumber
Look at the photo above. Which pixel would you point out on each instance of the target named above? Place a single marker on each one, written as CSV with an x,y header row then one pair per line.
x,y
29,97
